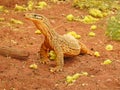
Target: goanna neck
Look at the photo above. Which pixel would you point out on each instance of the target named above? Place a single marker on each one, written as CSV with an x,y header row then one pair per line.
x,y
46,30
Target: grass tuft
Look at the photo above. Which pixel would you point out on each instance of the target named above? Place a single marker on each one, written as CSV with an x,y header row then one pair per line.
x,y
113,27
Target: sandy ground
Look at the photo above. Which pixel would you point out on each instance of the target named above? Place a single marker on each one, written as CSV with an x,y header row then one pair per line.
x,y
16,75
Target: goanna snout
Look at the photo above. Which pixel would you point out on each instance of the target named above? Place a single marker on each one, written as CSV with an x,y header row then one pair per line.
x,y
33,16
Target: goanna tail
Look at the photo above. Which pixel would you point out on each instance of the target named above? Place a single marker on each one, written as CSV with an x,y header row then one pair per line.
x,y
85,50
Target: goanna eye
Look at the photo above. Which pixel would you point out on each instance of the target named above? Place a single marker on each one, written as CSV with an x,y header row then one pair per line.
x,y
38,17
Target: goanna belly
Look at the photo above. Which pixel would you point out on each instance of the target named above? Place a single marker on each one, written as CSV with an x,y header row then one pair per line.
x,y
70,45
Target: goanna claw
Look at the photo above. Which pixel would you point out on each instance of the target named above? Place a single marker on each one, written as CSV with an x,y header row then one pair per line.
x,y
55,69
44,61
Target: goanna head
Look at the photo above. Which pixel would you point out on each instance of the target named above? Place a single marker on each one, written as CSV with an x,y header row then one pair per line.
x,y
36,18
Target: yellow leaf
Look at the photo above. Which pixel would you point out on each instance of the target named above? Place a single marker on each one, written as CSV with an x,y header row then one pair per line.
x,y
20,8
92,34
107,62
70,17
37,32
15,21
69,79
52,55
97,54
33,66
74,34
93,27
109,47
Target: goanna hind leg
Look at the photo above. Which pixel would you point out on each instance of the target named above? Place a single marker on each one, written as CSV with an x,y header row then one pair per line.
x,y
85,50
43,55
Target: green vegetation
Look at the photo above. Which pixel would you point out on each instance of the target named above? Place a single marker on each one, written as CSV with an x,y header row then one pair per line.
x,y
30,6
97,54
70,17
20,8
73,78
103,5
52,55
96,9
93,27
88,19
3,9
41,5
15,21
100,9
74,34
113,27
97,13
2,19
109,47
37,32
107,62
92,34
33,66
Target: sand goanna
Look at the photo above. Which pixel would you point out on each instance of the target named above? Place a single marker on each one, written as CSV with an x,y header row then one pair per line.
x,y
63,45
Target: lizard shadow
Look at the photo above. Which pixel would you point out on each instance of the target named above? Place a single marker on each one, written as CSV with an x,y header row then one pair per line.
x,y
69,60
73,60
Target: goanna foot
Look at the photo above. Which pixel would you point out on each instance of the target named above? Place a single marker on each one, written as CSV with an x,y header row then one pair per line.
x,y
56,69
44,61
90,52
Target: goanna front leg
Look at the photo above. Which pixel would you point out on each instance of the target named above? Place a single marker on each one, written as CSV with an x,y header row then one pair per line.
x,y
59,58
43,54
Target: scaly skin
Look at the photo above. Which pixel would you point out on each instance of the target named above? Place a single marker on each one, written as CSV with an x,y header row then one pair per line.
x,y
63,45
